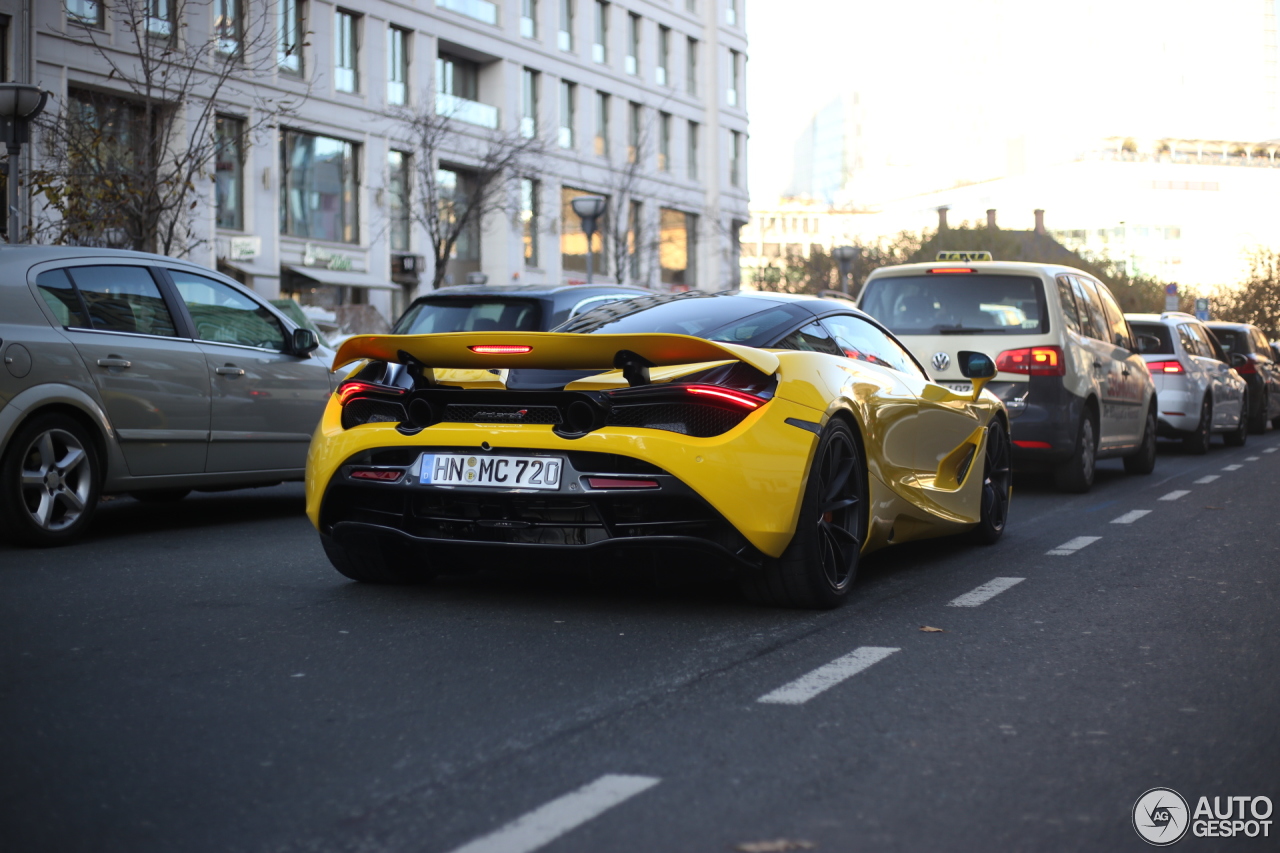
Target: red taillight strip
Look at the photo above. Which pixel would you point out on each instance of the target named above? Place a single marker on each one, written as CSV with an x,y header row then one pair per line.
x,y
380,475
739,398
500,349
347,390
619,483
1034,445
1170,366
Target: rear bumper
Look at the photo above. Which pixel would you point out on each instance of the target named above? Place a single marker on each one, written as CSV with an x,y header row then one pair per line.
x,y
1044,429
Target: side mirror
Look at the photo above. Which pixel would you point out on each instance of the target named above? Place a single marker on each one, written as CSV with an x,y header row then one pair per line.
x,y
304,341
1237,359
976,366
1148,343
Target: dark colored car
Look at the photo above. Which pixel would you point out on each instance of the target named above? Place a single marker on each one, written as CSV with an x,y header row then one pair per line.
x,y
1253,359
506,307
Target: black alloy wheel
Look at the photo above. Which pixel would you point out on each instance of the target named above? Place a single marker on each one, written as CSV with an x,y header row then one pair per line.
x,y
997,485
1237,437
818,567
1197,441
1143,460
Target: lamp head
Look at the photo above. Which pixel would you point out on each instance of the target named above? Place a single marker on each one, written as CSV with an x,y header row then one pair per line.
x,y
845,254
589,206
21,101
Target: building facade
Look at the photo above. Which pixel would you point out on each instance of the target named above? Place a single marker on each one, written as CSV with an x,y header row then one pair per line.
x,y
317,205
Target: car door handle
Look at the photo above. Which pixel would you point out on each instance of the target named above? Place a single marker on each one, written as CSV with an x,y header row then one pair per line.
x,y
229,370
114,361
1097,365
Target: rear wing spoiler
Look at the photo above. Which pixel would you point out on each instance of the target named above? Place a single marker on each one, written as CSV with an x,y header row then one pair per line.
x,y
549,351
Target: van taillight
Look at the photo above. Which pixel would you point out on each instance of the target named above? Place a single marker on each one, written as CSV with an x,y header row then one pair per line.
x,y
1173,366
1032,361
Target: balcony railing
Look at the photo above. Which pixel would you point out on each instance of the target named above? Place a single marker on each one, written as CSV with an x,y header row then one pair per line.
x,y
472,112
481,10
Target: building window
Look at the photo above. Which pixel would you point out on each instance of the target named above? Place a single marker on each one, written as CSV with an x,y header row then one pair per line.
x,y
661,74
227,26
691,6
635,228
635,115
568,106
529,192
529,18
691,69
160,18
86,12
573,240
735,78
529,84
693,151
735,159
456,192
290,33
397,66
664,142
229,173
318,187
633,44
345,49
731,13
602,125
677,247
457,88
600,49
565,36
482,10
398,189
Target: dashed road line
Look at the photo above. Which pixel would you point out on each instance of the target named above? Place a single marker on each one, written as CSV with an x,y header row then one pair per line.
x,y
827,676
1208,478
1175,494
1070,547
1232,467
984,593
547,823
1270,450
1131,516
1252,458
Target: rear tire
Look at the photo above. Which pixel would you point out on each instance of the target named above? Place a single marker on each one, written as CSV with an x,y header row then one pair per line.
x,y
1197,442
1237,437
817,569
1076,474
1143,460
49,482
997,486
1258,419
377,561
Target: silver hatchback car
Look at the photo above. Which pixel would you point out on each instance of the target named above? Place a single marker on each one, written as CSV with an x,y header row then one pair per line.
x,y
138,373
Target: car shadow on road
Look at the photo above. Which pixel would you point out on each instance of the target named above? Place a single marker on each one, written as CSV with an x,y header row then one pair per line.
x,y
122,516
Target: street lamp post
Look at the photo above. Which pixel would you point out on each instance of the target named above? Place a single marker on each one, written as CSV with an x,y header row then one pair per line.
x,y
845,256
20,103
589,208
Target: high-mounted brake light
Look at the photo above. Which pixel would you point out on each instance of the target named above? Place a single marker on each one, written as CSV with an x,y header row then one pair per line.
x,y
1174,366
500,349
354,389
951,269
1032,361
738,398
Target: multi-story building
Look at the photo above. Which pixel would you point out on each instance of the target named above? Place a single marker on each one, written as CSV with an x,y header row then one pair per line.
x,y
318,207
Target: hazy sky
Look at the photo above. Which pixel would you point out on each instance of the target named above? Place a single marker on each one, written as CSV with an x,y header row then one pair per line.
x,y
953,85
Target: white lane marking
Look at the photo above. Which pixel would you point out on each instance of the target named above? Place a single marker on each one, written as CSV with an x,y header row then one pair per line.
x,y
1131,516
1270,450
1232,467
1174,495
547,823
827,676
1208,478
1252,458
986,592
1072,546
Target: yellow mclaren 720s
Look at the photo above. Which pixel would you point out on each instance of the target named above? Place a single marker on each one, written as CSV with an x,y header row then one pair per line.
x,y
780,438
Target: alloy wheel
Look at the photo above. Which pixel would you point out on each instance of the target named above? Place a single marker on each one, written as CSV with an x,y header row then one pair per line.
x,y
56,479
840,527
995,487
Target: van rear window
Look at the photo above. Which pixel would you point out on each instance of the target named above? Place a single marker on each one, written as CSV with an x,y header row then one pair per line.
x,y
958,304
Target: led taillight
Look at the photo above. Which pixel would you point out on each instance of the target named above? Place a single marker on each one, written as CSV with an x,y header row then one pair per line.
x,y
1032,361
1246,368
347,390
950,270
378,475
620,483
500,349
1033,445
728,395
1173,366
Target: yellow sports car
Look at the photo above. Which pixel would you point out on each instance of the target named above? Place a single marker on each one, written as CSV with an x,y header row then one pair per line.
x,y
784,436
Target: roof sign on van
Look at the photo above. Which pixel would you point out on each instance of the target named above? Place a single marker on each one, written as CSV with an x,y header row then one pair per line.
x,y
967,256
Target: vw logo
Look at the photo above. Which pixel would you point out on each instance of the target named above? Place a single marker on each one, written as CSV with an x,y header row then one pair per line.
x,y
941,361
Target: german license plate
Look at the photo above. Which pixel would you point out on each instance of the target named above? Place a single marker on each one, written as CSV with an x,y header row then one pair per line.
x,y
486,471
960,387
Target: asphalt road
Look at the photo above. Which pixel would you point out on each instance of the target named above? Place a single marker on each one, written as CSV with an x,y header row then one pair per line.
x,y
196,677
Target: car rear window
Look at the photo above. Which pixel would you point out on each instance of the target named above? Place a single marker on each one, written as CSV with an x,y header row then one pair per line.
x,y
1155,330
462,314
958,304
733,319
1233,340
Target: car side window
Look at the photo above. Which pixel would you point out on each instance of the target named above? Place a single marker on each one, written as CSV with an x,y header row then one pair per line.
x,y
860,340
1119,329
1091,306
224,315
1212,343
1067,300
57,292
123,299
1260,343
596,301
1187,336
810,338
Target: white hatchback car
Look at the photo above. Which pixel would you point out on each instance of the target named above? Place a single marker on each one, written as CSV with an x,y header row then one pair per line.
x,y
1070,373
1199,392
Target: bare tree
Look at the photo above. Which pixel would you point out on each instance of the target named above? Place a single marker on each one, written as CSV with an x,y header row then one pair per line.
x,y
491,164
132,170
